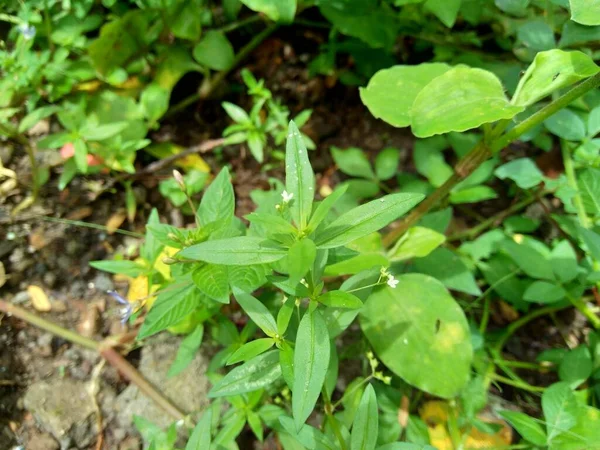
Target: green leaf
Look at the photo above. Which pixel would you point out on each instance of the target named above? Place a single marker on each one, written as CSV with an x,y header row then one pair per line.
x,y
588,181
391,92
564,261
544,292
250,350
35,116
567,125
284,315
238,251
340,299
592,242
257,311
201,438
248,278
213,281
445,10
585,12
550,71
528,427
187,23
460,99
324,207
576,367
236,113
311,358
366,422
310,437
514,7
353,162
574,34
272,225
214,51
447,267
55,140
80,156
299,177
276,10
366,219
129,268
523,171
258,373
187,350
218,201
420,321
170,307
529,260
472,194
101,132
286,361
417,242
429,161
301,257
405,446
255,424
386,163
536,35
560,410
155,101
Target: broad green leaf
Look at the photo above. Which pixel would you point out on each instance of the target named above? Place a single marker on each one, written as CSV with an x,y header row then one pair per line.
x,y
248,278
460,99
129,268
214,51
276,10
576,367
585,12
340,299
588,181
250,350
201,437
35,116
366,422
417,242
550,71
544,292
366,219
299,177
353,161
574,34
155,101
237,251
218,201
564,261
187,20
420,321
257,311
311,358
310,437
523,171
170,307
448,268
501,273
560,410
213,281
592,242
536,35
391,92
593,122
187,350
386,163
301,257
445,10
584,435
566,125
529,260
273,225
253,375
429,161
527,426
472,194
514,7
324,207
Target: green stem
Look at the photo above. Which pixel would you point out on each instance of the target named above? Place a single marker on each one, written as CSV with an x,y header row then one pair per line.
x,y
583,308
209,85
519,364
572,181
239,23
525,387
354,388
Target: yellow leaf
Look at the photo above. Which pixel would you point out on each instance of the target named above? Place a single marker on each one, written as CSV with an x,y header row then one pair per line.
x,y
166,149
39,298
159,265
138,289
115,221
2,274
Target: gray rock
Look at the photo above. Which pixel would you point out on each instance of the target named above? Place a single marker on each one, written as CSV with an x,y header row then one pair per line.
x,y
188,390
103,282
63,408
42,441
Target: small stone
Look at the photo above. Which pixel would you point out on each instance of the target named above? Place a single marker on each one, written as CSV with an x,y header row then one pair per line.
x,y
42,441
20,298
103,282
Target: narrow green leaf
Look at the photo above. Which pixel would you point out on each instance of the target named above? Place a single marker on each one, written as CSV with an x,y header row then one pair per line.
x,y
105,131
250,350
255,374
255,424
301,257
324,207
340,299
35,116
366,422
310,437
526,426
258,312
311,358
284,315
213,281
218,201
272,224
81,155
201,438
237,251
187,350
299,177
129,268
366,219
286,361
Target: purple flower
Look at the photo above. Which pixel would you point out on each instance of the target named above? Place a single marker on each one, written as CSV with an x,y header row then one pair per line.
x,y
127,310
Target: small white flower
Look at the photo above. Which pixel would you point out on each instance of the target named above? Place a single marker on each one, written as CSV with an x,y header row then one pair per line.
x,y
287,196
392,282
28,31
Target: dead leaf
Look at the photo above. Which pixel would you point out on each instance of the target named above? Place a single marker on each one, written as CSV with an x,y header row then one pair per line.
x,y
80,213
115,221
37,239
507,312
2,274
88,324
39,298
403,411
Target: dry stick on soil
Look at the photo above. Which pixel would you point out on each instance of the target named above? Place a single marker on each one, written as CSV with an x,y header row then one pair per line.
x,y
105,348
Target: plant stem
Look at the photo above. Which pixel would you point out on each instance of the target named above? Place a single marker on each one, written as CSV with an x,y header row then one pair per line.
x,y
525,387
105,349
572,181
583,308
209,86
239,23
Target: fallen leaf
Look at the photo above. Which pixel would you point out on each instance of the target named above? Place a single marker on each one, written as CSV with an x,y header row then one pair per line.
x,y
507,312
39,298
115,221
88,324
2,274
37,239
80,213
403,411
